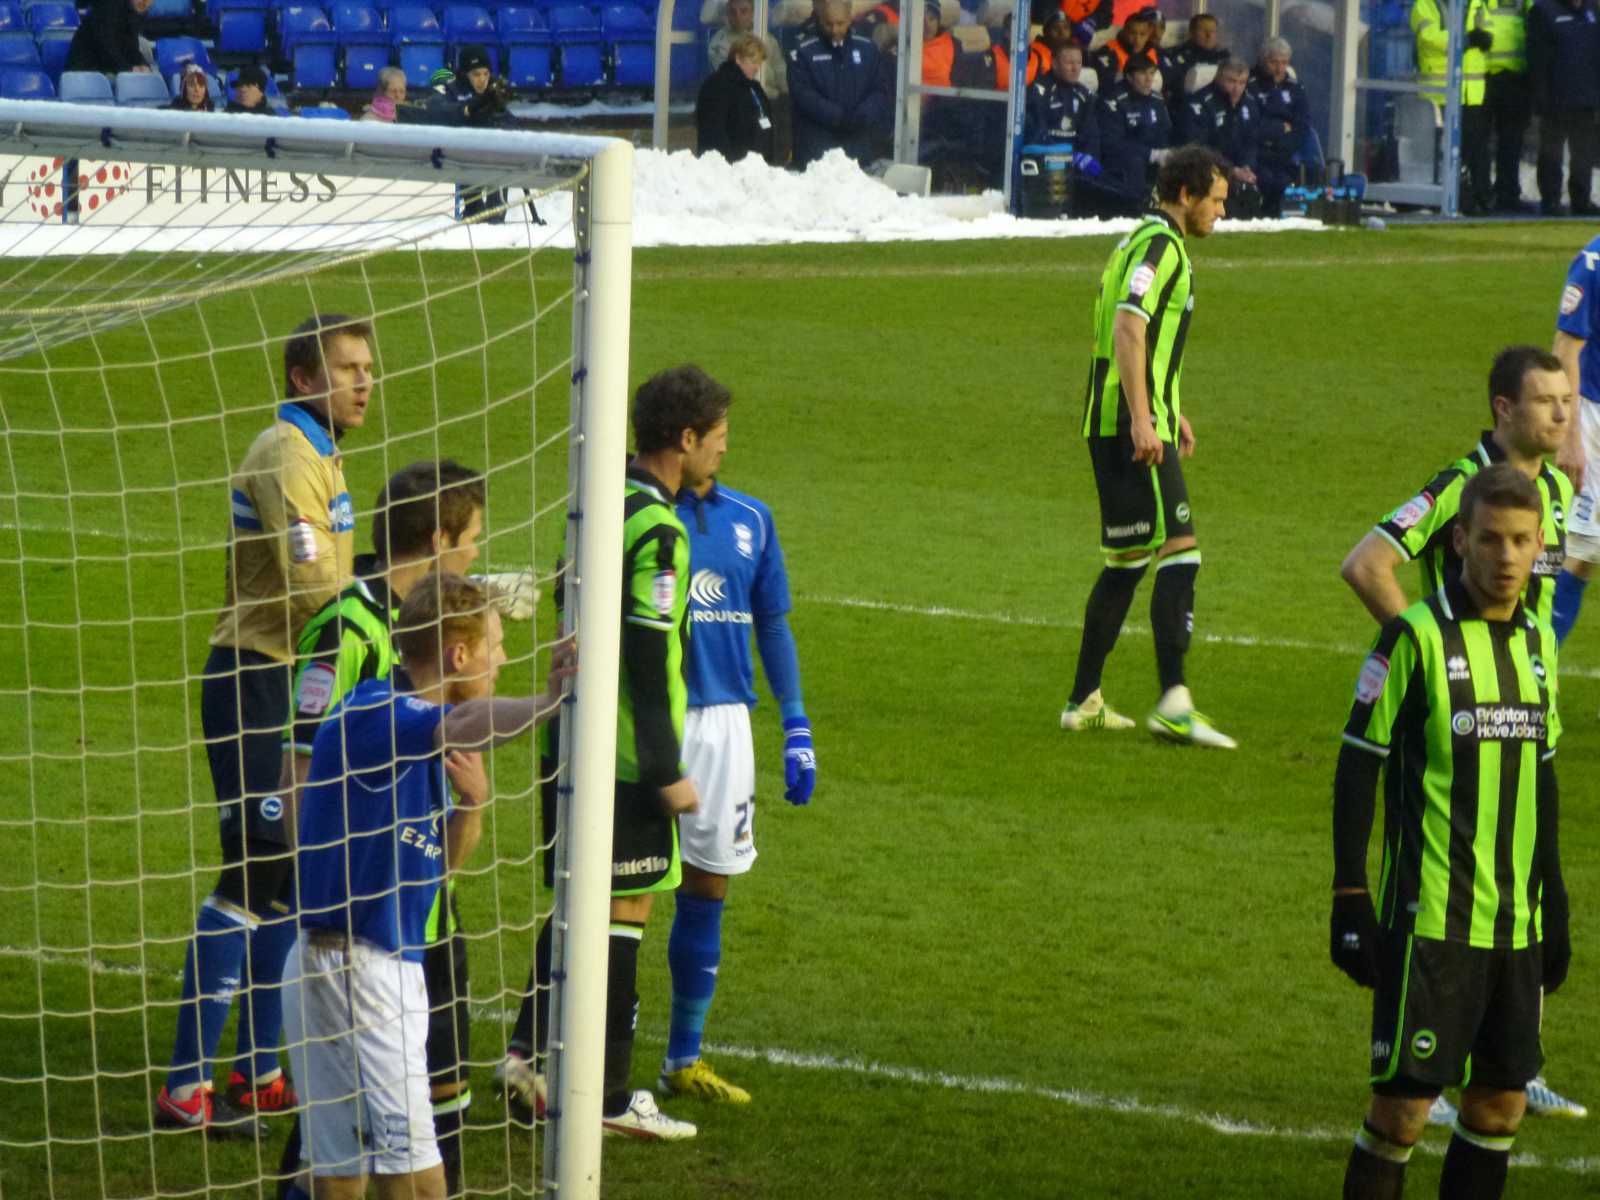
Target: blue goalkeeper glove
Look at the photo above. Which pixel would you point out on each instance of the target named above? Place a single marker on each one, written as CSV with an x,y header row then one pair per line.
x,y
799,761
1087,163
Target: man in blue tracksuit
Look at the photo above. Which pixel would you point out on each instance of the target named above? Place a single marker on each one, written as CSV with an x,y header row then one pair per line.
x,y
836,87
1222,115
1564,69
737,583
1060,109
1285,112
1135,135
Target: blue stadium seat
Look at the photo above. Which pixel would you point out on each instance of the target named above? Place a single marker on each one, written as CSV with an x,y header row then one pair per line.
x,y
630,37
362,64
304,25
142,89
170,10
241,29
174,53
314,67
528,53
51,16
365,43
11,19
85,87
53,46
25,83
18,50
325,113
418,42
576,35
465,24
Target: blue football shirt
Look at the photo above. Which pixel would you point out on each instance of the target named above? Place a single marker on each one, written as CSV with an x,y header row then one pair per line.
x,y
736,577
371,854
1580,316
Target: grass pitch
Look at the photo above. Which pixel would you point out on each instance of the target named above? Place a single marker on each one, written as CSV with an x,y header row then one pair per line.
x,y
990,959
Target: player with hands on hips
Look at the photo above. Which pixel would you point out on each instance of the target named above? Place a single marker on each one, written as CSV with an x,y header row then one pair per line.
x,y
738,583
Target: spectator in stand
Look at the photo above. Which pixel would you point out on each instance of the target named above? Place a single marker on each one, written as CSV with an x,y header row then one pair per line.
x,y
1199,48
836,87
194,92
1134,41
1222,116
1062,110
733,114
1564,67
739,19
1135,138
1285,111
250,93
389,94
810,28
108,39
939,49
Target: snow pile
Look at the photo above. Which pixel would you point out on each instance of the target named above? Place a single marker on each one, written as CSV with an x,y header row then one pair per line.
x,y
679,200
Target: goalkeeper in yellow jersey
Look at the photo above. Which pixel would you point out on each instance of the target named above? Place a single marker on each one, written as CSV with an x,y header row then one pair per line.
x,y
290,550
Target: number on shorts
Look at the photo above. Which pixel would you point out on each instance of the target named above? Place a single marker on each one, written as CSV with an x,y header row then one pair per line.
x,y
741,830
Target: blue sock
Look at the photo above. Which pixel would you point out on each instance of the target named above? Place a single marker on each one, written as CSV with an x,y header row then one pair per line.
x,y
210,977
1569,599
261,998
694,951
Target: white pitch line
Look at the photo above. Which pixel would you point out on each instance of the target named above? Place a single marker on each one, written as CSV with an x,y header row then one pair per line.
x,y
991,1085
1027,620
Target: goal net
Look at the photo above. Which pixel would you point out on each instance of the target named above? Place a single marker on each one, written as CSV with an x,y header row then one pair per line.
x,y
152,267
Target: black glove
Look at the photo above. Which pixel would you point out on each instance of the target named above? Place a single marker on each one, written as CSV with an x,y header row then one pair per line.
x,y
1557,945
1480,39
1353,937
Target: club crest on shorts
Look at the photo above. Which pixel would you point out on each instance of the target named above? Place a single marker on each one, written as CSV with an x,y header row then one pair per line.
x,y
271,808
1424,1043
1182,511
1374,674
663,591
1412,511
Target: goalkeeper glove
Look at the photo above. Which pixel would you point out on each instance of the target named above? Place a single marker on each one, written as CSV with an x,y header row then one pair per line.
x,y
1557,945
1353,937
1087,164
799,761
512,592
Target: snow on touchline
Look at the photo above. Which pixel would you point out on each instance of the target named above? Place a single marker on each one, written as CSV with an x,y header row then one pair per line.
x,y
679,200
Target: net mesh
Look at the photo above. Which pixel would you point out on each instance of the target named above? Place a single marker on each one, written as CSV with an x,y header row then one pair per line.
x,y
140,354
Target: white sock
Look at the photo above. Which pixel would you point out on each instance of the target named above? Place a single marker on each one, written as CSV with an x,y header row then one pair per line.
x,y
1175,702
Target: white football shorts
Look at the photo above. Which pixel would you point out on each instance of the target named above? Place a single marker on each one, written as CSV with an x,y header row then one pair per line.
x,y
1583,523
356,1021
720,837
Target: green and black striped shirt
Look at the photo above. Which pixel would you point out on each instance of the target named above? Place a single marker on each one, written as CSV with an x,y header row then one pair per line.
x,y
653,696
1421,528
1148,275
1463,710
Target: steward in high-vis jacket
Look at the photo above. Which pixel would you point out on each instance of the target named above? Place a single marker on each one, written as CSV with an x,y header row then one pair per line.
x,y
836,87
1433,48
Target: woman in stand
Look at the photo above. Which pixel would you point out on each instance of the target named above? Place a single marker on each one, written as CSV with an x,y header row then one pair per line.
x,y
733,114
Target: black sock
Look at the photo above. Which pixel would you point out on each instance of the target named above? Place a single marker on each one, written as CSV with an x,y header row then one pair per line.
x,y
622,1011
1475,1165
289,1164
447,1131
531,1033
1102,622
1172,614
1377,1169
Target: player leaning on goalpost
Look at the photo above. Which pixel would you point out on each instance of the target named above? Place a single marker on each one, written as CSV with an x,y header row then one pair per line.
x,y
377,837
292,533
1457,704
1531,409
1136,436
428,517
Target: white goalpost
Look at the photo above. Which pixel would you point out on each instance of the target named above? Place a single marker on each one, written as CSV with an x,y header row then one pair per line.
x,y
152,266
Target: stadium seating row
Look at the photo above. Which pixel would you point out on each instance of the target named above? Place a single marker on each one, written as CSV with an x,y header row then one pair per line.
x,y
135,89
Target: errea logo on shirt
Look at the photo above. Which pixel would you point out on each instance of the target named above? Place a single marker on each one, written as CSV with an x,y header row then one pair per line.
x,y
1457,668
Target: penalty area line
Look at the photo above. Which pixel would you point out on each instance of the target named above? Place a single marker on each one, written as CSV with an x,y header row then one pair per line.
x,y
983,1085
1348,650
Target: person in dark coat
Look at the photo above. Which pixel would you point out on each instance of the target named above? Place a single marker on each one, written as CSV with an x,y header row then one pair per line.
x,y
732,114
836,86
1222,115
108,39
1060,109
250,93
1199,48
1564,68
1285,110
1135,137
